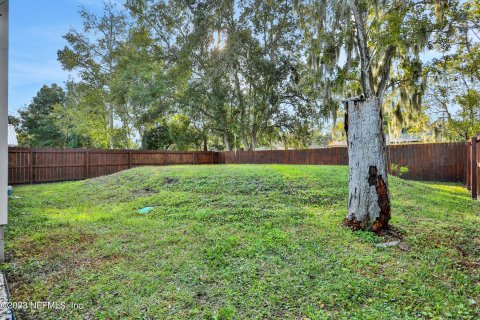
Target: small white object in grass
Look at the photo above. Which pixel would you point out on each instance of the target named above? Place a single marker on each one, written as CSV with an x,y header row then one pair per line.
x,y
388,244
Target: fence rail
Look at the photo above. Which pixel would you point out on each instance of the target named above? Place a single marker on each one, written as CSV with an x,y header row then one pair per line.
x,y
439,161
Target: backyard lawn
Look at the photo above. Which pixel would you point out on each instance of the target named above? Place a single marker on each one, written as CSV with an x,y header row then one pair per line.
x,y
239,242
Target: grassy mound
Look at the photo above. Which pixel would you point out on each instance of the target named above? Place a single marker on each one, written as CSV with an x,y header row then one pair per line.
x,y
237,242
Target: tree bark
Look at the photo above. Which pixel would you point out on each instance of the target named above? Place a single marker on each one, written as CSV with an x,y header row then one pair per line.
x,y
245,144
242,111
362,44
111,126
253,144
369,201
225,140
205,143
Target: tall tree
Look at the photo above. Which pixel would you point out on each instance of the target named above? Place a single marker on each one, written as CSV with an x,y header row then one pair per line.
x,y
38,125
158,137
240,60
82,119
373,35
145,84
93,52
454,87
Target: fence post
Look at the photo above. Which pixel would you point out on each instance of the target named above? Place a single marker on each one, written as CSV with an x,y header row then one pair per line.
x,y
477,165
30,167
85,175
87,164
468,166
473,157
129,159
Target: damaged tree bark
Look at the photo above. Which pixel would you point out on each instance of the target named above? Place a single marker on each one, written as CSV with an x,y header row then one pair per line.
x,y
369,201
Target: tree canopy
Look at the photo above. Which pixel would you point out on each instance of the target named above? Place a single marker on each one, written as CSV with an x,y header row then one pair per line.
x,y
259,74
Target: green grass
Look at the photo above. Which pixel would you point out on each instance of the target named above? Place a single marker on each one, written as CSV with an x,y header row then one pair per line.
x,y
239,242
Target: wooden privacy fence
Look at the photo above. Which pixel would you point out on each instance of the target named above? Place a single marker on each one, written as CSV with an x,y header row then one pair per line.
x,y
323,156
26,165
439,161
433,161
473,166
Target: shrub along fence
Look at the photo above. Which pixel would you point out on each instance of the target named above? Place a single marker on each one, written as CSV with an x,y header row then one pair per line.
x,y
472,180
439,161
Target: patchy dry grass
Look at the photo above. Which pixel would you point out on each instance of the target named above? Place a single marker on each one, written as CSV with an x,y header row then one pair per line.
x,y
237,242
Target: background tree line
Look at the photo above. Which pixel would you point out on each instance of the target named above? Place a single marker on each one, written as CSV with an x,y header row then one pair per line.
x,y
216,74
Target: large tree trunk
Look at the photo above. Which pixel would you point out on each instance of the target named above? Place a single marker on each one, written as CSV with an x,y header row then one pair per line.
x,y
242,111
228,146
369,202
253,143
205,143
111,126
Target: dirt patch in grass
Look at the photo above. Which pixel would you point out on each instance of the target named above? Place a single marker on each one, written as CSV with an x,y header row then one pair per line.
x,y
147,191
171,180
51,244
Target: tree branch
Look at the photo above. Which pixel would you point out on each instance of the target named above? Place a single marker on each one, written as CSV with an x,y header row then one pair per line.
x,y
385,74
366,71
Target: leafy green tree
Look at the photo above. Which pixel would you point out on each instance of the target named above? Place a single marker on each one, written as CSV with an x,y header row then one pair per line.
x,y
238,63
143,85
81,119
92,52
454,79
244,74
465,122
176,133
157,138
14,120
38,125
183,134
